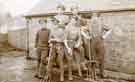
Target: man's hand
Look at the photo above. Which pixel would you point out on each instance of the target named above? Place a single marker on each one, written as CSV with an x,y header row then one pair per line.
x,y
50,45
76,46
34,49
89,38
70,51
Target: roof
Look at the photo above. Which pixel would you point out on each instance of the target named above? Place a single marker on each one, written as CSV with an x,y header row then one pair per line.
x,y
48,7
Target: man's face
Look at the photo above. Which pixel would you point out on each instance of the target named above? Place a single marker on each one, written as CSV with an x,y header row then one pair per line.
x,y
42,23
75,11
60,11
49,22
95,15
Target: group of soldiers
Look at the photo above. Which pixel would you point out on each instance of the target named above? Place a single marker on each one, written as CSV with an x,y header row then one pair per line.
x,y
71,43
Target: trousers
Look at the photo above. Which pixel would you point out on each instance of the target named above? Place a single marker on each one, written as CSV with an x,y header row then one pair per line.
x,y
42,54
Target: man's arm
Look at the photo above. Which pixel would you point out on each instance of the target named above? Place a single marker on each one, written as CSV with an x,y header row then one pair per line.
x,y
65,38
79,41
106,31
51,38
66,41
36,40
85,35
106,34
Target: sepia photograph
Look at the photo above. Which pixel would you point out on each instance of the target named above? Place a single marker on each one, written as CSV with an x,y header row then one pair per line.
x,y
67,40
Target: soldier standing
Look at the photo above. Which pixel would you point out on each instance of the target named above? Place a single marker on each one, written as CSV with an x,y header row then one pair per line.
x,y
74,40
75,10
73,43
99,33
85,36
42,46
57,43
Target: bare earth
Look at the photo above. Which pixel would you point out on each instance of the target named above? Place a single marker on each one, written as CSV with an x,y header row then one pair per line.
x,y
15,68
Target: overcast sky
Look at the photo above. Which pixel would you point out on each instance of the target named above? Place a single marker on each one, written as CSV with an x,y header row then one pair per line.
x,y
17,7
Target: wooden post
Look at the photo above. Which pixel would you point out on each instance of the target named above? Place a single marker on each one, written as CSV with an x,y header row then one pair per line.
x,y
28,22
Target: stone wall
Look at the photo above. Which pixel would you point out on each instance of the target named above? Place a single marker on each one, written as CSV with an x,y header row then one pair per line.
x,y
120,45
18,38
3,37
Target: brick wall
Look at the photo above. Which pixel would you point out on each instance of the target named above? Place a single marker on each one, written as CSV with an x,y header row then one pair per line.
x,y
120,45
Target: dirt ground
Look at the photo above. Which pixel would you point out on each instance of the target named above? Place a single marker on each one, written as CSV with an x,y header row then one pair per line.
x,y
15,68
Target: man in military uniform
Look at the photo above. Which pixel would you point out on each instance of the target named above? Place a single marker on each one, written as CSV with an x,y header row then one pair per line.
x,y
99,32
75,10
42,46
73,40
57,43
86,38
73,43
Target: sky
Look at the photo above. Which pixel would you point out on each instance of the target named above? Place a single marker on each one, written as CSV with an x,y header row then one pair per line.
x,y
17,7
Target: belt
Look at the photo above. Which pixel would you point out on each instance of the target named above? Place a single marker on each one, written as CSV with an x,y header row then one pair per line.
x,y
57,43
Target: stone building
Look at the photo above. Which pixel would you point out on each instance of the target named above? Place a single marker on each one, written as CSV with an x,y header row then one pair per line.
x,y
120,45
